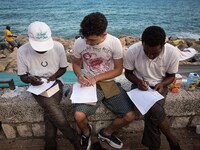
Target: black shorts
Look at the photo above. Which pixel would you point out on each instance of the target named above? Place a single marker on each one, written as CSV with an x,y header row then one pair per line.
x,y
119,104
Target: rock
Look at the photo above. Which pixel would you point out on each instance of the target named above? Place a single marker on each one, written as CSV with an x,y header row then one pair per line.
x,y
8,57
3,64
21,40
198,129
196,46
2,56
128,40
123,41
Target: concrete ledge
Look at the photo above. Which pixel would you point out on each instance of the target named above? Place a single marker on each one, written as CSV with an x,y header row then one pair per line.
x,y
21,116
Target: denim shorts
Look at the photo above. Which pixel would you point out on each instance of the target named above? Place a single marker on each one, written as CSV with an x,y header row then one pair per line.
x,y
119,104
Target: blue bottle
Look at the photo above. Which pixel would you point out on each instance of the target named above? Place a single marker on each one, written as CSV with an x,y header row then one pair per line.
x,y
67,92
192,81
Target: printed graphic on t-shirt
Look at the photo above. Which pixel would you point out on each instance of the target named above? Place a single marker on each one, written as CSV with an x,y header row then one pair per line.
x,y
97,60
44,63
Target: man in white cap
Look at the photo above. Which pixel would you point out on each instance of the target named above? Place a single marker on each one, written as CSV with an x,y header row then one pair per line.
x,y
41,58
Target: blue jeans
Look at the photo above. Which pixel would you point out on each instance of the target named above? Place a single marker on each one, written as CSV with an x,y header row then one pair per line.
x,y
54,119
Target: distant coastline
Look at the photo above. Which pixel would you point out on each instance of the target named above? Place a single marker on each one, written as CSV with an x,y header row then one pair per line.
x,y
8,58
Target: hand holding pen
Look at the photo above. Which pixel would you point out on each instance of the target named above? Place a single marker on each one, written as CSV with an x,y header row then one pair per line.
x,y
85,81
34,80
143,85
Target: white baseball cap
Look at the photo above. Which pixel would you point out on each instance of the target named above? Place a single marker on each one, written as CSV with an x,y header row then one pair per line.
x,y
40,36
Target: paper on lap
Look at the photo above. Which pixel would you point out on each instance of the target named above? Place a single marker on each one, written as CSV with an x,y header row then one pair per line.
x,y
37,90
144,100
84,94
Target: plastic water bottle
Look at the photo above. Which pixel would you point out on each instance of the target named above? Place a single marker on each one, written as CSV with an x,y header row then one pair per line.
x,y
192,81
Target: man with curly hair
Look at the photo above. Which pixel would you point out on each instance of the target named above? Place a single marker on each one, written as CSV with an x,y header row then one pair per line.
x,y
102,58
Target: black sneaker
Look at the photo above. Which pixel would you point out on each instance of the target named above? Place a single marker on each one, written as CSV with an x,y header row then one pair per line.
x,y
112,140
177,147
86,141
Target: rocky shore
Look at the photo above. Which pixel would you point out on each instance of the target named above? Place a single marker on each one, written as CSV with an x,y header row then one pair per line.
x,y
8,57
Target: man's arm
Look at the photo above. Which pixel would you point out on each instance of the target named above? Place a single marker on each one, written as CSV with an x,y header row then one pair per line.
x,y
168,79
118,67
12,36
76,65
58,74
33,80
142,85
82,79
85,81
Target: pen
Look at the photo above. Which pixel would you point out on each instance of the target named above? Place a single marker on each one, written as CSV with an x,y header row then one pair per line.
x,y
144,81
28,73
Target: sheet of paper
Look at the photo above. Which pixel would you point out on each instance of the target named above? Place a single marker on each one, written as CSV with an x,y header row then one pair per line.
x,y
40,88
84,94
144,100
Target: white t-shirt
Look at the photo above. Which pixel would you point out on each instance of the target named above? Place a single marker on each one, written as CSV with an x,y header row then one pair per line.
x,y
99,58
154,70
42,65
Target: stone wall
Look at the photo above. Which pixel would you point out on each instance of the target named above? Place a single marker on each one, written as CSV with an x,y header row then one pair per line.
x,y
21,116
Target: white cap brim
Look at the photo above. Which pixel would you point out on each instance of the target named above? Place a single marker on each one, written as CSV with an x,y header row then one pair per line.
x,y
41,46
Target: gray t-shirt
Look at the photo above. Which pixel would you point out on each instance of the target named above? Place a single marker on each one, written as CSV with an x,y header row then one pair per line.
x,y
42,65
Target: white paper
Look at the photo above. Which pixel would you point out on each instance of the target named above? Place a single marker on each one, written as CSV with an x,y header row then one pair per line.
x,y
37,90
84,94
144,100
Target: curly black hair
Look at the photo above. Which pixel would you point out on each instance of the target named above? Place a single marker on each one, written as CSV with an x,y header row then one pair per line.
x,y
93,24
154,36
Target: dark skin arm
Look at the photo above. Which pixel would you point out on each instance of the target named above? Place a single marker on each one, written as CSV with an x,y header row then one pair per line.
x,y
142,85
169,78
35,80
12,36
58,74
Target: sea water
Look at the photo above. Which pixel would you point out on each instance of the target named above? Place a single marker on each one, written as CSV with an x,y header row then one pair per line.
x,y
179,18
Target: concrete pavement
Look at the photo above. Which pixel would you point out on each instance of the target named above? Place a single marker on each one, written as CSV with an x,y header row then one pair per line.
x,y
189,140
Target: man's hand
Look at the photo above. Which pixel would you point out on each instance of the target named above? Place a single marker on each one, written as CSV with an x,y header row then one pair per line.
x,y
86,81
143,85
159,87
35,80
51,78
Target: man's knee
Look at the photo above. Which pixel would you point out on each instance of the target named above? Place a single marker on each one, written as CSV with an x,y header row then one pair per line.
x,y
130,116
79,116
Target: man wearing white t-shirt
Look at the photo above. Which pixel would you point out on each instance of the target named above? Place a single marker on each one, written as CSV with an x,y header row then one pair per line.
x,y
102,58
153,63
41,58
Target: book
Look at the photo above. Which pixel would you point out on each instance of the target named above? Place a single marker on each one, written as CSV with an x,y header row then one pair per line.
x,y
51,91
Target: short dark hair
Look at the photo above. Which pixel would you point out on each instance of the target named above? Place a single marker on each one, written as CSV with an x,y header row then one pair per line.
x,y
8,27
93,24
154,36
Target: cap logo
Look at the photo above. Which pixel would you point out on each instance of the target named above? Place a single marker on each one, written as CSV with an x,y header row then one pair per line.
x,y
42,36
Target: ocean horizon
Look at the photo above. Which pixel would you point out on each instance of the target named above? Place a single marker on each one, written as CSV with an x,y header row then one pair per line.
x,y
180,18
